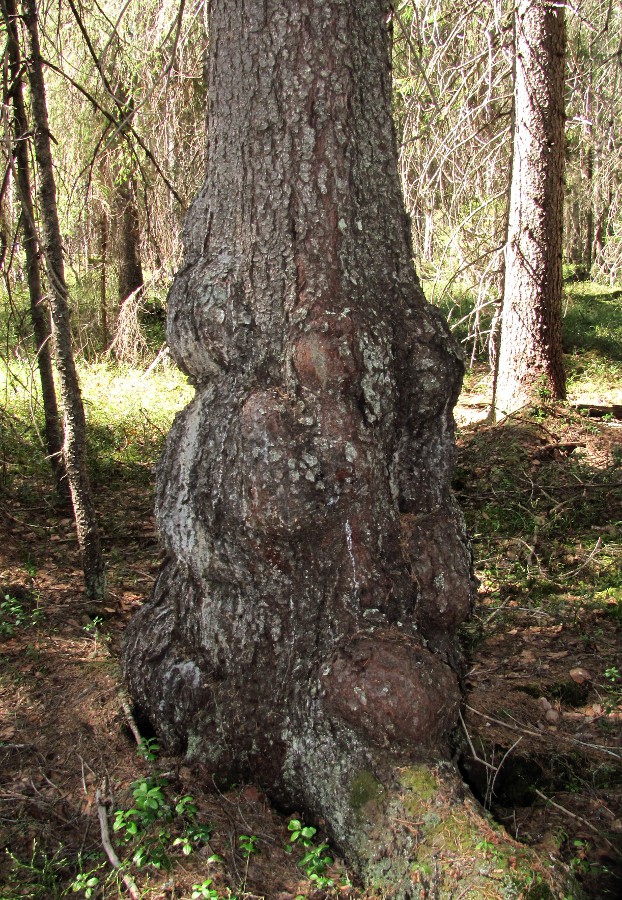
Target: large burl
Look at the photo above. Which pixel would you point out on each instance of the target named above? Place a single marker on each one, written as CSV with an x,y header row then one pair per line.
x,y
394,691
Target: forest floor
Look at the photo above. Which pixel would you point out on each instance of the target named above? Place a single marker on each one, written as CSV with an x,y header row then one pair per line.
x,y
540,740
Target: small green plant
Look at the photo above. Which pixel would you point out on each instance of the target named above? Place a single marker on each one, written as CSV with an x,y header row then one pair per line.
x,y
14,616
30,569
485,846
148,749
614,689
85,883
152,851
94,625
195,836
150,804
612,674
204,891
301,834
315,862
248,845
143,826
579,862
39,877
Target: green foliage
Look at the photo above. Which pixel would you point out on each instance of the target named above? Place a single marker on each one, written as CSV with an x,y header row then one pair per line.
x,y
129,413
248,845
40,877
148,749
593,320
316,859
147,826
204,891
150,804
315,862
85,883
14,616
301,834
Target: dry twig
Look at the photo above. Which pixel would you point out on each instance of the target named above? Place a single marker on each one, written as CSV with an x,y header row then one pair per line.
x,y
115,862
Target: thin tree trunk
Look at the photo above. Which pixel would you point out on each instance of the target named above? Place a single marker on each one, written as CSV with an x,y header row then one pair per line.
x,y
128,241
74,423
39,313
530,356
103,300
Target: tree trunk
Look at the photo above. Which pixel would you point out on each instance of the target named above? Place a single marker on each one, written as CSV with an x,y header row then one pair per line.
x,y
302,632
38,312
103,298
530,354
74,424
128,241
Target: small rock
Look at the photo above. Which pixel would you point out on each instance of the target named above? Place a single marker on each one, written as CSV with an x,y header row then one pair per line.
x,y
580,675
552,716
544,703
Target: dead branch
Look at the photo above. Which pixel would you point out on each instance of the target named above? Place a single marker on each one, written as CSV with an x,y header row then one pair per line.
x,y
115,862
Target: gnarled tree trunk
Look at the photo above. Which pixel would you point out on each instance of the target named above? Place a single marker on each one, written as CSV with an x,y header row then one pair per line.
x,y
302,631
530,354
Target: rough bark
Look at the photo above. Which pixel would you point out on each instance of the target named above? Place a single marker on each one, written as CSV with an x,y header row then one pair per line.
x,y
39,312
74,424
530,354
303,628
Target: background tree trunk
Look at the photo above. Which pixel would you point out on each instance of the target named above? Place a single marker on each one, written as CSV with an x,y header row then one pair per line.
x,y
128,240
530,353
38,309
302,631
74,424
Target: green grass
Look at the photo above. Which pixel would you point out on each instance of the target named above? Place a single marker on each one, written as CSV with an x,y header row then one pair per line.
x,y
128,415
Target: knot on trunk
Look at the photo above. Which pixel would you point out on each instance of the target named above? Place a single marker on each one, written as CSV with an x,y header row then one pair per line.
x,y
395,692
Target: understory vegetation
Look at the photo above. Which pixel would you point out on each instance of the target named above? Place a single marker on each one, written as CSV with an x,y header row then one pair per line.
x,y
539,740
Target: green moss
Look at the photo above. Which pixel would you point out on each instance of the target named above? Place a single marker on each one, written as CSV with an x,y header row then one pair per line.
x,y
364,789
420,782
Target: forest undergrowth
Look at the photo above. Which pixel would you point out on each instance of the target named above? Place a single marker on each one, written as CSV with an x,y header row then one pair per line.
x,y
539,741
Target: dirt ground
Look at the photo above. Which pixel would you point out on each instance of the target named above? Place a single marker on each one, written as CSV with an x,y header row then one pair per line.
x,y
540,740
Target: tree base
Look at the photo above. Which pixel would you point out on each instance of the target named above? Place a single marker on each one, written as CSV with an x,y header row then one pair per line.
x,y
426,836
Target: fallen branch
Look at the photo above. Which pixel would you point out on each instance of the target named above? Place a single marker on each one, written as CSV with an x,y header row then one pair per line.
x,y
125,706
115,862
545,737
575,816
585,563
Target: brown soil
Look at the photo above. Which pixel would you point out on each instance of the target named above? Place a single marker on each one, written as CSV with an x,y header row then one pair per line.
x,y
540,743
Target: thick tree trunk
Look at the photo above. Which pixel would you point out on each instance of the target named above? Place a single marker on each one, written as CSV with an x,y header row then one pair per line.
x,y
74,424
303,629
38,311
530,354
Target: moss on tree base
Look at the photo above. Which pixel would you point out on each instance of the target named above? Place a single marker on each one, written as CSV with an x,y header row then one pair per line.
x,y
427,837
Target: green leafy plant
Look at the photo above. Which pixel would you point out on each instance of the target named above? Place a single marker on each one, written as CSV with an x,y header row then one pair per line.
x,y
204,891
579,862
194,836
152,851
85,883
248,845
14,616
301,834
315,862
150,804
148,749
